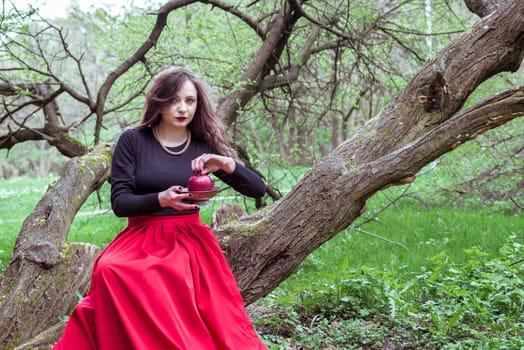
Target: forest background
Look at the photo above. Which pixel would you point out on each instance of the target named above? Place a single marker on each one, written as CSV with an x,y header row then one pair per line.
x,y
435,263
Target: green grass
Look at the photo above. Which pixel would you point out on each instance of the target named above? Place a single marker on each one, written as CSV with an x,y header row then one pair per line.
x,y
471,303
431,271
18,197
417,274
421,234
95,222
425,232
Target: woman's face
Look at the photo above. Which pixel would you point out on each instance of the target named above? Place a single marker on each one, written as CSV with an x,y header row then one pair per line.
x,y
180,112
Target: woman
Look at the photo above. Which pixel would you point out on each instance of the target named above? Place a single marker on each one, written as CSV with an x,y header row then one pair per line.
x,y
163,283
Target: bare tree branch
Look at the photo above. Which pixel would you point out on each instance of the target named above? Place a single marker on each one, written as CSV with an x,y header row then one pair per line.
x,y
233,9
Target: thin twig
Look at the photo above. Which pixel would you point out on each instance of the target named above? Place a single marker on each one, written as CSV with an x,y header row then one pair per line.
x,y
517,262
374,235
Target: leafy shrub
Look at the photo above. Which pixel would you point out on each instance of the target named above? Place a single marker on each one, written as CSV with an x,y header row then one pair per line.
x,y
477,304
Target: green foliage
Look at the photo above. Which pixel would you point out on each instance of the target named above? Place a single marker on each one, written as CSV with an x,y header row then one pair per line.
x,y
484,172
457,283
454,285
475,303
297,123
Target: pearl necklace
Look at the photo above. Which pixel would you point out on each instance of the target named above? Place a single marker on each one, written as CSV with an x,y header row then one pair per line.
x,y
188,141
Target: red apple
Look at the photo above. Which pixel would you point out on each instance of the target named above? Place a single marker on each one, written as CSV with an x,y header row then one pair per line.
x,y
200,182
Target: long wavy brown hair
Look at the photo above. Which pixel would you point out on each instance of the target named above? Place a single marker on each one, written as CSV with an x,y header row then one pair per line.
x,y
205,124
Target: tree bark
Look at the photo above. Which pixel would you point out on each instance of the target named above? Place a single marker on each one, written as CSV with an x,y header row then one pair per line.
x,y
46,273
419,125
482,8
265,248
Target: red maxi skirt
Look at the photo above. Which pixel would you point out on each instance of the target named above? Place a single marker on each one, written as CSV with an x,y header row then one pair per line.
x,y
163,283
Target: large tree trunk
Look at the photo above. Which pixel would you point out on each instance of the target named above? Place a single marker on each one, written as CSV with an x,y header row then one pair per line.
x,y
267,247
46,273
418,126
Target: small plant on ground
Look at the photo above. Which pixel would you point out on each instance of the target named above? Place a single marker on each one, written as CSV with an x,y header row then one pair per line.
x,y
476,304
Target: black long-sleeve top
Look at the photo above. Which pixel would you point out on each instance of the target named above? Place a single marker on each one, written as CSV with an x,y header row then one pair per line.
x,y
141,168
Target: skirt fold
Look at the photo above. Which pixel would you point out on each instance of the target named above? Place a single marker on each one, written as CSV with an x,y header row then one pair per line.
x,y
163,283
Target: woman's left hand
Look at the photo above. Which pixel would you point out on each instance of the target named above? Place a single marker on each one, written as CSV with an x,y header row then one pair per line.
x,y
208,163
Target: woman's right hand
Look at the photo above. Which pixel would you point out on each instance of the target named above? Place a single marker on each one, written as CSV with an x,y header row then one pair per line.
x,y
174,197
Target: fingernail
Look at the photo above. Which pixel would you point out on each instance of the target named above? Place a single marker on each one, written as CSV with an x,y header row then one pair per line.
x,y
196,206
